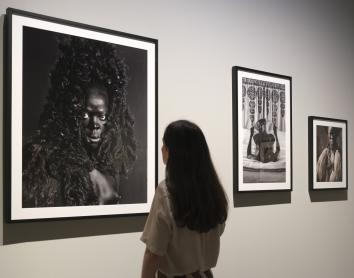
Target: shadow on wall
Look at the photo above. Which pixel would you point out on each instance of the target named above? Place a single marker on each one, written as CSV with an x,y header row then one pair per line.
x,y
248,199
60,229
328,195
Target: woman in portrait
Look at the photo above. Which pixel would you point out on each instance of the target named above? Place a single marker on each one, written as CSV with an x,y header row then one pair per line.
x,y
85,140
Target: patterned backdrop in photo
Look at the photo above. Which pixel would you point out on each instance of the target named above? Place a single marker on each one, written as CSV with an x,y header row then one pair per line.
x,y
263,100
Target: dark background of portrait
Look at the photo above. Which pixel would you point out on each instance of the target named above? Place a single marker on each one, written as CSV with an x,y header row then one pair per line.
x,y
40,51
322,139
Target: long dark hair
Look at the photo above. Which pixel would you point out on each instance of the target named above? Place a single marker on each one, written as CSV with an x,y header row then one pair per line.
x,y
198,199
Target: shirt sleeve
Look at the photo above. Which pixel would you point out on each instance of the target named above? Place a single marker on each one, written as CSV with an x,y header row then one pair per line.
x,y
158,228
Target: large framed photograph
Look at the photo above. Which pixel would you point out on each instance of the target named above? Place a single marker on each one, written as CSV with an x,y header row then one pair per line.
x,y
328,153
262,147
80,119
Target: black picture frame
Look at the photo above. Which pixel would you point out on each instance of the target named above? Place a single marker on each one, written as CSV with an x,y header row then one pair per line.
x,y
272,171
327,153
29,40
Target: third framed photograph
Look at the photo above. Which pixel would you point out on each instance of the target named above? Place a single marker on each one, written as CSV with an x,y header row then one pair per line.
x,y
328,153
261,130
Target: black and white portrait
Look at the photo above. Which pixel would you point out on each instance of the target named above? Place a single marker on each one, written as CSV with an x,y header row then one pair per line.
x,y
327,153
84,122
263,118
264,142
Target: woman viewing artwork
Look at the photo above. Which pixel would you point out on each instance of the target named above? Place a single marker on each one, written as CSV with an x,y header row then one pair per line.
x,y
189,210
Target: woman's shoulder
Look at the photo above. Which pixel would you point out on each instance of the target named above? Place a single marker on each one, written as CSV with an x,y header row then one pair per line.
x,y
163,196
162,190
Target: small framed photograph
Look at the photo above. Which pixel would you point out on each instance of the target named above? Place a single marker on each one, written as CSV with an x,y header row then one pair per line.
x,y
262,147
328,153
80,119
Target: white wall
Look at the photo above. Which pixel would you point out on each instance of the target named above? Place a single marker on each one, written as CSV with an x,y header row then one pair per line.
x,y
268,235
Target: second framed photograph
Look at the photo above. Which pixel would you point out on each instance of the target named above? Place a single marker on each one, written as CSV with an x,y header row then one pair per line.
x,y
262,144
328,153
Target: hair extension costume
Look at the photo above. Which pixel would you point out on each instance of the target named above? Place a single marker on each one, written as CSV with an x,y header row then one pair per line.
x,y
56,164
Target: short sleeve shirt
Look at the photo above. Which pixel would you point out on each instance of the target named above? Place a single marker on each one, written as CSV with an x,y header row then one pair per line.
x,y
183,251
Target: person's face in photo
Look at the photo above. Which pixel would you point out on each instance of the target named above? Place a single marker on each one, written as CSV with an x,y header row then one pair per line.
x,y
94,117
262,128
332,139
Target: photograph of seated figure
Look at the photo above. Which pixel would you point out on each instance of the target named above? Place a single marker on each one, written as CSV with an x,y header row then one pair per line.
x,y
264,132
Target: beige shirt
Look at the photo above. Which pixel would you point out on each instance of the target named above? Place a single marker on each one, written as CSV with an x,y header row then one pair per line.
x,y
183,251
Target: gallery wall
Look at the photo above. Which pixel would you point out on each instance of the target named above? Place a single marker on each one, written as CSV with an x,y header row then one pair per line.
x,y
297,234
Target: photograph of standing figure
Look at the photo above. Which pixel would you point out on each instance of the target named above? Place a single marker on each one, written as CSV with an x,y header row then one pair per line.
x,y
262,137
